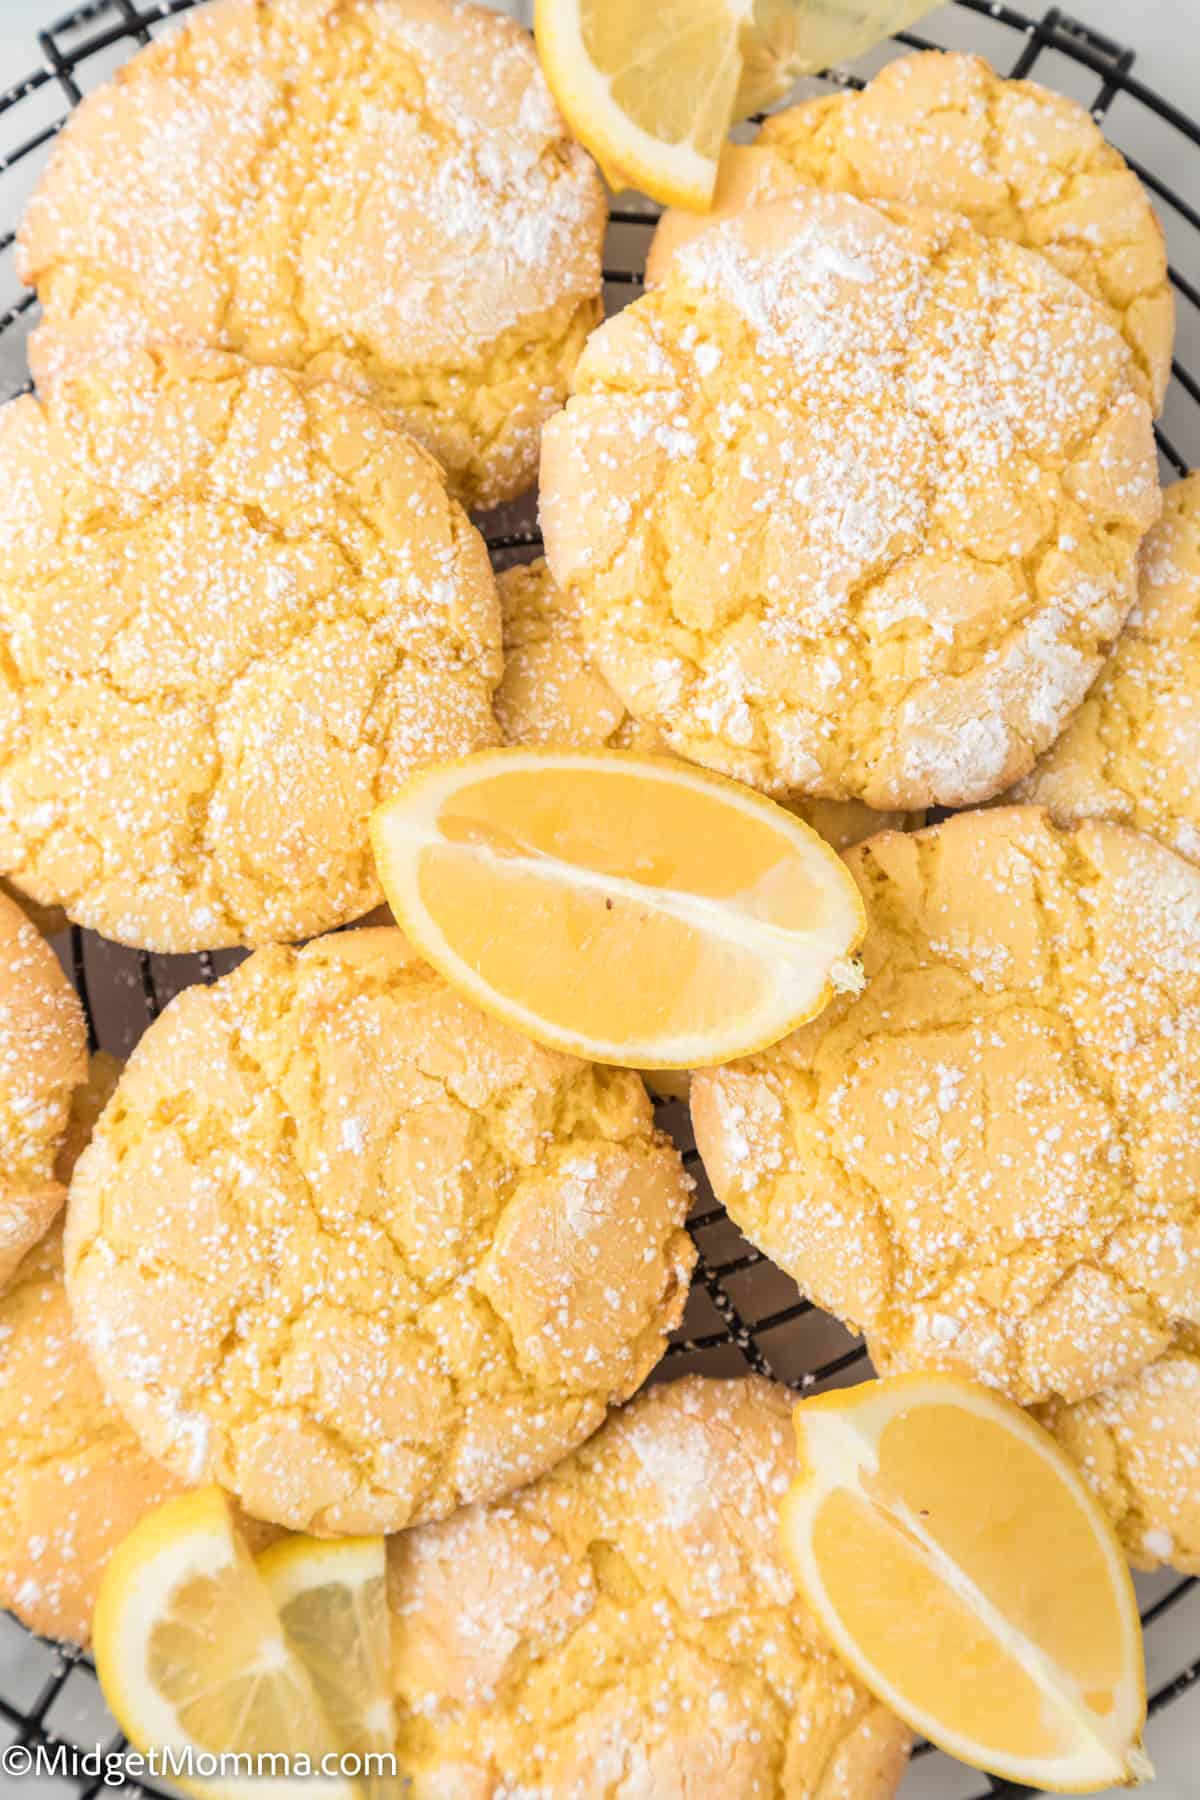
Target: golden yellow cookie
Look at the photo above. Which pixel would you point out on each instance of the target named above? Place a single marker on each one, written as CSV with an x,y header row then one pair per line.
x,y
1132,751
628,1625
73,1478
238,611
550,693
1021,163
1138,1445
359,1252
43,1057
852,500
380,193
990,1160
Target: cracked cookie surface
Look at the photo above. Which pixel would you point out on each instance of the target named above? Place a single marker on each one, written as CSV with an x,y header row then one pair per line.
x,y
360,1253
73,1477
552,693
852,499
1138,1446
236,612
627,1626
376,191
1020,162
989,1161
1132,751
43,1058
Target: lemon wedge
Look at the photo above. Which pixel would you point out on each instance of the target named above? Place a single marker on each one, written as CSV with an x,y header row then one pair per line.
x,y
628,909
963,1570
192,1660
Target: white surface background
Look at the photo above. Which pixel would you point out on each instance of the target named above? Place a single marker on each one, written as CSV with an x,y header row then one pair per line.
x,y
1166,35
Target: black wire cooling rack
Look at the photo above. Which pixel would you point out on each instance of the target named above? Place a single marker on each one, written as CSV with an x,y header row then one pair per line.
x,y
742,1312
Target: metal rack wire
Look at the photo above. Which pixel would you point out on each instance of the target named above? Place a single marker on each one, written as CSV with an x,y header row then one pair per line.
x,y
742,1312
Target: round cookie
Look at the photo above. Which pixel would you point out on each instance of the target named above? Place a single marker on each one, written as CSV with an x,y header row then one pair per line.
x,y
550,693
360,1253
990,1160
627,1624
1020,162
238,610
73,1478
852,500
1132,751
1138,1445
381,192
43,1058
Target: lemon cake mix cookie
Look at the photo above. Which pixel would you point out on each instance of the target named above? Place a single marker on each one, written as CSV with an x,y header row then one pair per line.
x,y
43,1058
628,1624
1020,162
360,1253
381,191
852,500
1138,1445
1132,751
552,693
989,1161
237,611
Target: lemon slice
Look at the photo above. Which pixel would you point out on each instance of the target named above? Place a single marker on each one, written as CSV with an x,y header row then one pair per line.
x,y
331,1598
964,1571
192,1658
628,909
652,89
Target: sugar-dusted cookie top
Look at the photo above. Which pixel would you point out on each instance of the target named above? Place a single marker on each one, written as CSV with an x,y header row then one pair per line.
x,y
43,1058
990,1160
1019,161
852,499
359,1252
628,1624
1138,1444
238,610
1132,751
379,191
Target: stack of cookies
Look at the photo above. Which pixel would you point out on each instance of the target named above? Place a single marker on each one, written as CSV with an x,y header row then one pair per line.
x,y
858,505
